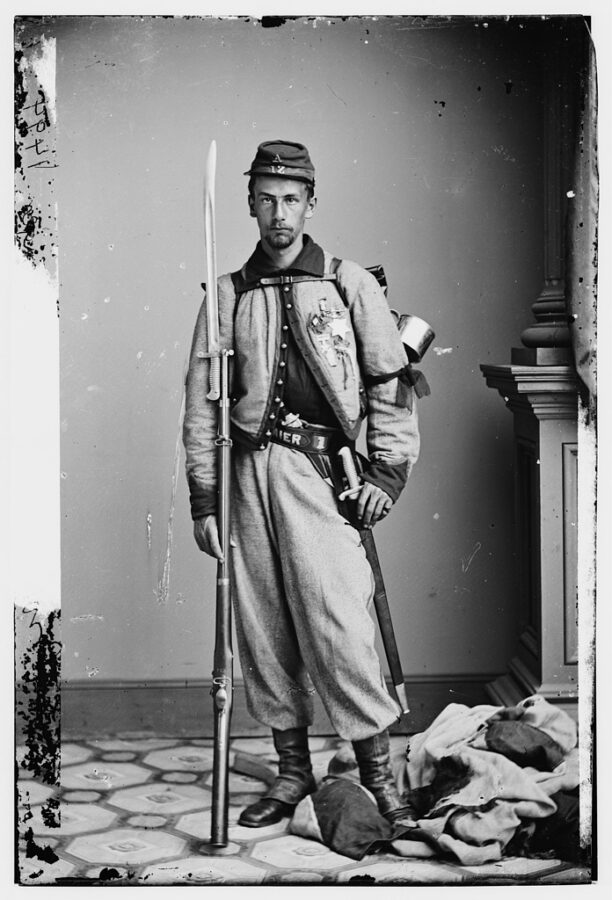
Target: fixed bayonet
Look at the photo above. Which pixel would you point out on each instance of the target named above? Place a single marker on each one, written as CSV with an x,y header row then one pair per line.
x,y
212,300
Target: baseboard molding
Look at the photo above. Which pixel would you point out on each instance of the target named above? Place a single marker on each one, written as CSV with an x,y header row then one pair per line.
x,y
171,709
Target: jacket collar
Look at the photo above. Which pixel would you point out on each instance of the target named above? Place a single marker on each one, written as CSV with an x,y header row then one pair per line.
x,y
310,261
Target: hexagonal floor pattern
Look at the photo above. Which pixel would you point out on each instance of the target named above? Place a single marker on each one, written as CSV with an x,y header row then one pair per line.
x,y
137,812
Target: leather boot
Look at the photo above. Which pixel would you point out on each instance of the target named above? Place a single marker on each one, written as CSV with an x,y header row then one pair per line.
x,y
376,775
293,782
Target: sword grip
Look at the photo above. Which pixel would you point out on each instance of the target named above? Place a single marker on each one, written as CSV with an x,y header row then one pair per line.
x,y
348,464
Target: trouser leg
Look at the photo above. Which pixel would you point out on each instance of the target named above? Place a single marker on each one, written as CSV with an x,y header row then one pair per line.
x,y
278,689
302,588
329,587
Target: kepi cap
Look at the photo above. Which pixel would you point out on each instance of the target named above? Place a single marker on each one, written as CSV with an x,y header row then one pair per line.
x,y
286,159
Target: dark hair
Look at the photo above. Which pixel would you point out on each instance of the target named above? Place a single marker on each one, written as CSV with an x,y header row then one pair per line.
x,y
309,186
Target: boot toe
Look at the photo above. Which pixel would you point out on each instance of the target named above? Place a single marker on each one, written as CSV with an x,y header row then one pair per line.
x,y
265,812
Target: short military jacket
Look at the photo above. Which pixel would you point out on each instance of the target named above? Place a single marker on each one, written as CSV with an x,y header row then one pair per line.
x,y
343,328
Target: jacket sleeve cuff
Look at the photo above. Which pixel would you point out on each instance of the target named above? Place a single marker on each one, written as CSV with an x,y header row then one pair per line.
x,y
391,478
201,502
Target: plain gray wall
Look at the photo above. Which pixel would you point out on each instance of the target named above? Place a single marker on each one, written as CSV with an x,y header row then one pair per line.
x,y
427,144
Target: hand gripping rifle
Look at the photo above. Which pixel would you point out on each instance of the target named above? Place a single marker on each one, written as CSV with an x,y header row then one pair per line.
x,y
219,391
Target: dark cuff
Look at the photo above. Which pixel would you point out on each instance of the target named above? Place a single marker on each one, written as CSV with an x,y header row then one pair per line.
x,y
201,503
388,477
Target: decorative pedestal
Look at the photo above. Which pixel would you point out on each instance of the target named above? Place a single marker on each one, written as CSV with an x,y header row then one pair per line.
x,y
544,402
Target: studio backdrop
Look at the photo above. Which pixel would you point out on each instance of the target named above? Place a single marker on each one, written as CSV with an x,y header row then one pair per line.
x,y
427,138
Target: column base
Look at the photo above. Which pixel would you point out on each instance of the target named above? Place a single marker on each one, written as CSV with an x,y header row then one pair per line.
x,y
518,683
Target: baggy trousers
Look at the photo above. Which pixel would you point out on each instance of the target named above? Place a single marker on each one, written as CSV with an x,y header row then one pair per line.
x,y
302,587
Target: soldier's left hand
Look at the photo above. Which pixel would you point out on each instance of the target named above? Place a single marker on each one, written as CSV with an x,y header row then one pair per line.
x,y
373,504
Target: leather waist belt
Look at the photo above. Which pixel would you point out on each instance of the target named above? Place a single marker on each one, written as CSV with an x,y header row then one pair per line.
x,y
309,438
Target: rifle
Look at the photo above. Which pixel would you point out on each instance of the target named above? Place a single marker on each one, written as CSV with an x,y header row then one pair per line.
x,y
222,688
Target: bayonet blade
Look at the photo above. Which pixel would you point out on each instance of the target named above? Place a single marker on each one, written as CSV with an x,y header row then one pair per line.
x,y
212,302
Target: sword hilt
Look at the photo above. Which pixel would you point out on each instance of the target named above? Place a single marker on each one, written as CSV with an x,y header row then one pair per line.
x,y
348,464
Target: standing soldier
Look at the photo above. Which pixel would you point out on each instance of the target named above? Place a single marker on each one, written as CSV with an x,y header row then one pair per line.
x,y
316,351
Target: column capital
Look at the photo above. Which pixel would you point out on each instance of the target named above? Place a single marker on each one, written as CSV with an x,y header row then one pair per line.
x,y
548,392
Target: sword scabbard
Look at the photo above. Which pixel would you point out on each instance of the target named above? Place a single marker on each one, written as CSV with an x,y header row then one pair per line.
x,y
381,602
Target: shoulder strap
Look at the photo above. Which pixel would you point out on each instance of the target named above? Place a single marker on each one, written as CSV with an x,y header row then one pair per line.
x,y
333,268
377,271
241,286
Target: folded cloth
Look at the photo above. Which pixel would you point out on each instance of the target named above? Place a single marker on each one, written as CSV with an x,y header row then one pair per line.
x,y
551,719
485,796
480,778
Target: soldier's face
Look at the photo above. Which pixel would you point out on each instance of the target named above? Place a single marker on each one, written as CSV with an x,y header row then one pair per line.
x,y
281,207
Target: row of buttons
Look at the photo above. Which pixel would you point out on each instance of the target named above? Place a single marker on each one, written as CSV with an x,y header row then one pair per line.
x,y
278,400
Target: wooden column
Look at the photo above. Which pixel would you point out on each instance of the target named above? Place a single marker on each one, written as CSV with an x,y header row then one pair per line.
x,y
543,400
547,340
541,390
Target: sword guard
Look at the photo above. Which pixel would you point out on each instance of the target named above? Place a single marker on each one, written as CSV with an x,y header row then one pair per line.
x,y
215,354
350,492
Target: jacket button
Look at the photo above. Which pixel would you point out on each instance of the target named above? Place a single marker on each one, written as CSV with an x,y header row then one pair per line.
x,y
286,288
285,328
200,354
262,446
283,346
271,416
288,306
282,363
280,381
268,434
277,399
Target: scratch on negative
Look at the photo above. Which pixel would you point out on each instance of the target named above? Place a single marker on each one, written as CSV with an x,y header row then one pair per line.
x,y
163,586
336,95
466,563
87,617
149,522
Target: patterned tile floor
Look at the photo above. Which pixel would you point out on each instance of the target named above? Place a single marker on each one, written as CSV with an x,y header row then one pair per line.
x,y
137,812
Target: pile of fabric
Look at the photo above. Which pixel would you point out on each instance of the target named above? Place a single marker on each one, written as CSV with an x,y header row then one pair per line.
x,y
486,781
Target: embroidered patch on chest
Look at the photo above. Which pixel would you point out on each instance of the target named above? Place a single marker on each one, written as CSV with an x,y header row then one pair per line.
x,y
330,329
